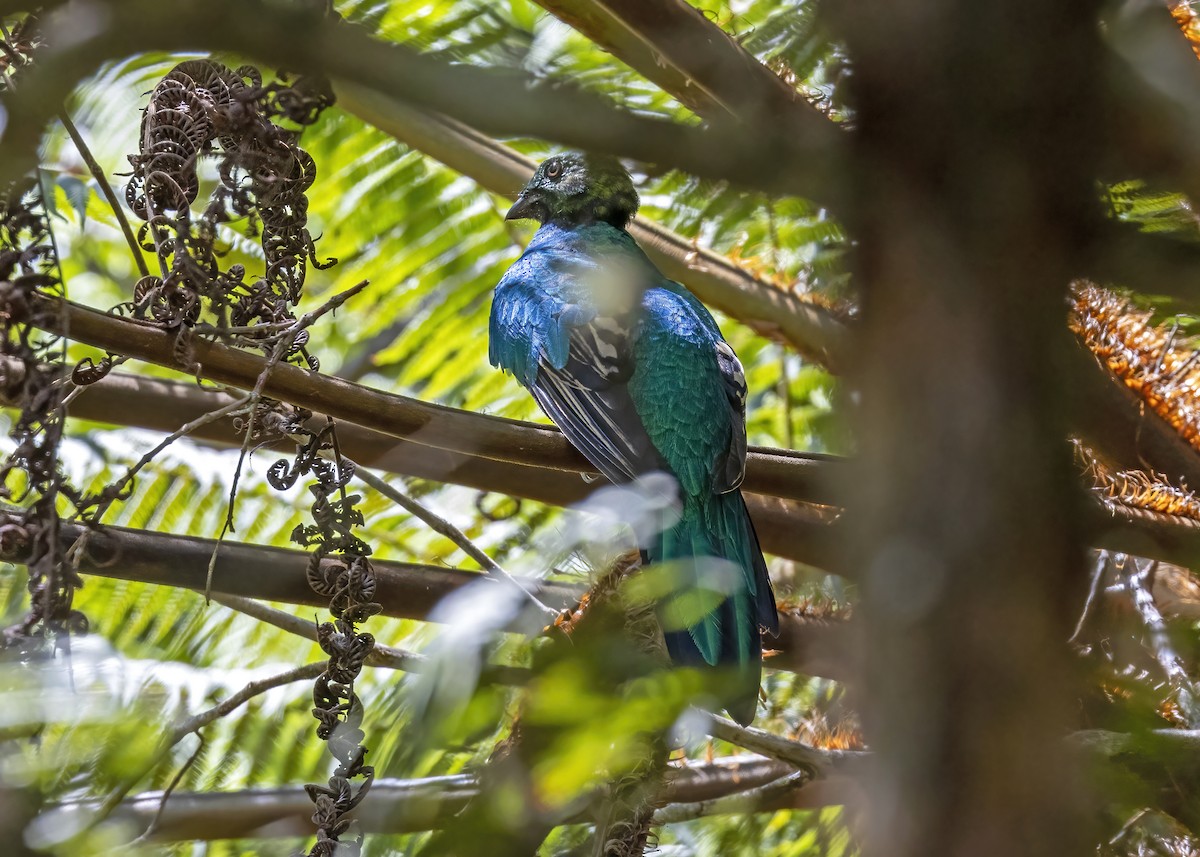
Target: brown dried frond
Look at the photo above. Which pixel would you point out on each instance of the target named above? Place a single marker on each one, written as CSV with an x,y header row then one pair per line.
x,y
34,372
1171,711
1136,490
605,586
202,109
1150,359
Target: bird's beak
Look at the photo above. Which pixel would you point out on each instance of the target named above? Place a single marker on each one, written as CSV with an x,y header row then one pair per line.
x,y
526,207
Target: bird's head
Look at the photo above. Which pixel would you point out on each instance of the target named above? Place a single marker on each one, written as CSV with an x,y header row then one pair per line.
x,y
578,188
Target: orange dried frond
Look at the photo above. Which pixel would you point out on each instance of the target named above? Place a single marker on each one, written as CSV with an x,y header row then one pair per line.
x,y
1114,691
817,731
813,608
566,620
1170,711
784,72
757,267
763,271
1188,22
602,592
1148,358
1137,490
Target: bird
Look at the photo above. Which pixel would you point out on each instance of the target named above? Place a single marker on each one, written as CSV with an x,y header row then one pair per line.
x,y
633,369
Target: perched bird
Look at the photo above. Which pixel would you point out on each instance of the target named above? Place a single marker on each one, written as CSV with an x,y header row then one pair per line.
x,y
634,370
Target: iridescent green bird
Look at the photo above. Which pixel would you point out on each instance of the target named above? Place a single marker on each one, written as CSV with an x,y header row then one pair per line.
x,y
634,370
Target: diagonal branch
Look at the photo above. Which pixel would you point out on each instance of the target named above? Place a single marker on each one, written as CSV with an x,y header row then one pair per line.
x,y
815,759
383,656
380,655
810,328
670,43
194,724
792,475
236,700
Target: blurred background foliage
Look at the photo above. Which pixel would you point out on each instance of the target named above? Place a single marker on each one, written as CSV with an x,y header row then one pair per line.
x,y
433,245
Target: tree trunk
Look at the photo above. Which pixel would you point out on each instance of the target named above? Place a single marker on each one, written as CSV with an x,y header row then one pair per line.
x,y
973,197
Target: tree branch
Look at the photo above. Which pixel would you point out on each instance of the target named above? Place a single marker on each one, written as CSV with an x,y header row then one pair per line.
x,y
407,806
235,701
810,328
1103,410
405,590
162,405
399,806
104,808
815,759
508,103
791,475
671,44
106,189
787,529
381,656
735,804
443,528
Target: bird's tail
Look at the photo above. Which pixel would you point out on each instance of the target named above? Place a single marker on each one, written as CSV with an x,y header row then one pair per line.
x,y
720,594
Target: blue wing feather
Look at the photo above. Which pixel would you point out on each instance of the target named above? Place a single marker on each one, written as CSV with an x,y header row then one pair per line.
x,y
546,331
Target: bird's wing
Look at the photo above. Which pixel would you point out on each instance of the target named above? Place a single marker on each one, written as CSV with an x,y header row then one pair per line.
x,y
574,356
588,398
731,466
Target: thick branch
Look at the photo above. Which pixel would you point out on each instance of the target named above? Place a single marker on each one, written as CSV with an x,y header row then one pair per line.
x,y
139,401
405,590
783,527
160,405
301,38
1105,411
810,328
787,474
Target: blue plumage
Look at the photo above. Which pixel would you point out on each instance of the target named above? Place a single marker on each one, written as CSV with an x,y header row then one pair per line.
x,y
634,370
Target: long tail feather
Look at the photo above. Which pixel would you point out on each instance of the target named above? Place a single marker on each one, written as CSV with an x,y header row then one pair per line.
x,y
722,593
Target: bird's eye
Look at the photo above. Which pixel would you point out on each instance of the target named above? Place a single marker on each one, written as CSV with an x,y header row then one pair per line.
x,y
553,170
